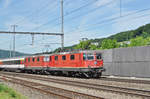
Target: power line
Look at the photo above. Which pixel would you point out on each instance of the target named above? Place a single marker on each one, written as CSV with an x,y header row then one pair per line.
x,y
115,22
57,18
116,18
92,10
32,13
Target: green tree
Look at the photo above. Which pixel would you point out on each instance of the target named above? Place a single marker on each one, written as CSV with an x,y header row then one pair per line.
x,y
138,41
84,45
145,34
123,44
148,41
108,44
93,47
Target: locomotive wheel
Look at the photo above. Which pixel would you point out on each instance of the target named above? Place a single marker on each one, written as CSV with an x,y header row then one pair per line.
x,y
87,75
97,75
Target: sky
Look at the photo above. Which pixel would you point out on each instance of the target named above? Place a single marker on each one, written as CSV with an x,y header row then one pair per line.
x,y
82,19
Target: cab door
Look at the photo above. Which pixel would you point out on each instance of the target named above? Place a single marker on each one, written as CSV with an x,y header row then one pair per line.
x,y
46,61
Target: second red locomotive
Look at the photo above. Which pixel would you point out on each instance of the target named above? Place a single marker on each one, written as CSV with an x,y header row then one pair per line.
x,y
88,64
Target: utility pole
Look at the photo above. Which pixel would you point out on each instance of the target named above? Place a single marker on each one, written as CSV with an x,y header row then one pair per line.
x,y
62,24
10,50
120,8
14,39
32,39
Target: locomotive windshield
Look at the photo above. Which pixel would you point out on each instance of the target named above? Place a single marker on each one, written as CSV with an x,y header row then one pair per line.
x,y
88,56
98,56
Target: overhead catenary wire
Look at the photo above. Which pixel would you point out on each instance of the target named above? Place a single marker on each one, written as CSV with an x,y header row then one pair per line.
x,y
35,11
113,21
90,11
66,14
103,5
113,18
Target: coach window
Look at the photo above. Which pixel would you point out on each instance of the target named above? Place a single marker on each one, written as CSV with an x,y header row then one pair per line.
x,y
56,57
63,57
17,62
72,57
33,59
38,59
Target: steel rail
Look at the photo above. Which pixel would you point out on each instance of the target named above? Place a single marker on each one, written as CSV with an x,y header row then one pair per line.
x,y
126,80
63,93
113,89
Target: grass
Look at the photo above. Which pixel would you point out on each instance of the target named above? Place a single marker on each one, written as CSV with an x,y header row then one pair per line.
x,y
8,93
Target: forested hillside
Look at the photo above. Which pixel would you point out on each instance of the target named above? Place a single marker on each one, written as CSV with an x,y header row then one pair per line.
x,y
138,37
6,54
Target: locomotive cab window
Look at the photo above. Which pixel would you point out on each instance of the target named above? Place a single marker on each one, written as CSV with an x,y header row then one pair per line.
x,y
88,56
72,57
63,57
98,56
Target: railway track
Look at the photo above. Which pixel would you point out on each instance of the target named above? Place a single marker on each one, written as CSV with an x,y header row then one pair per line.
x,y
58,93
108,88
137,81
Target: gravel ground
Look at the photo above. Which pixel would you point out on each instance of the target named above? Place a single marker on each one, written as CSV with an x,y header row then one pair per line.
x,y
28,92
98,81
103,94
107,95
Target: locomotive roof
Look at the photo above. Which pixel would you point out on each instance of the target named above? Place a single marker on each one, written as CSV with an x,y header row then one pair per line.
x,y
72,52
61,53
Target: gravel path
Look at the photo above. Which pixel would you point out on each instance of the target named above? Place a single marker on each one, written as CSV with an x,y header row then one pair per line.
x,y
100,93
99,81
107,95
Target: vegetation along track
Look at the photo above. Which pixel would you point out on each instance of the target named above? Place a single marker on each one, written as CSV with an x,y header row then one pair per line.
x,y
54,91
108,88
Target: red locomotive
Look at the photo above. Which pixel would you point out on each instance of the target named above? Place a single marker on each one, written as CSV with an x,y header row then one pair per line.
x,y
85,63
